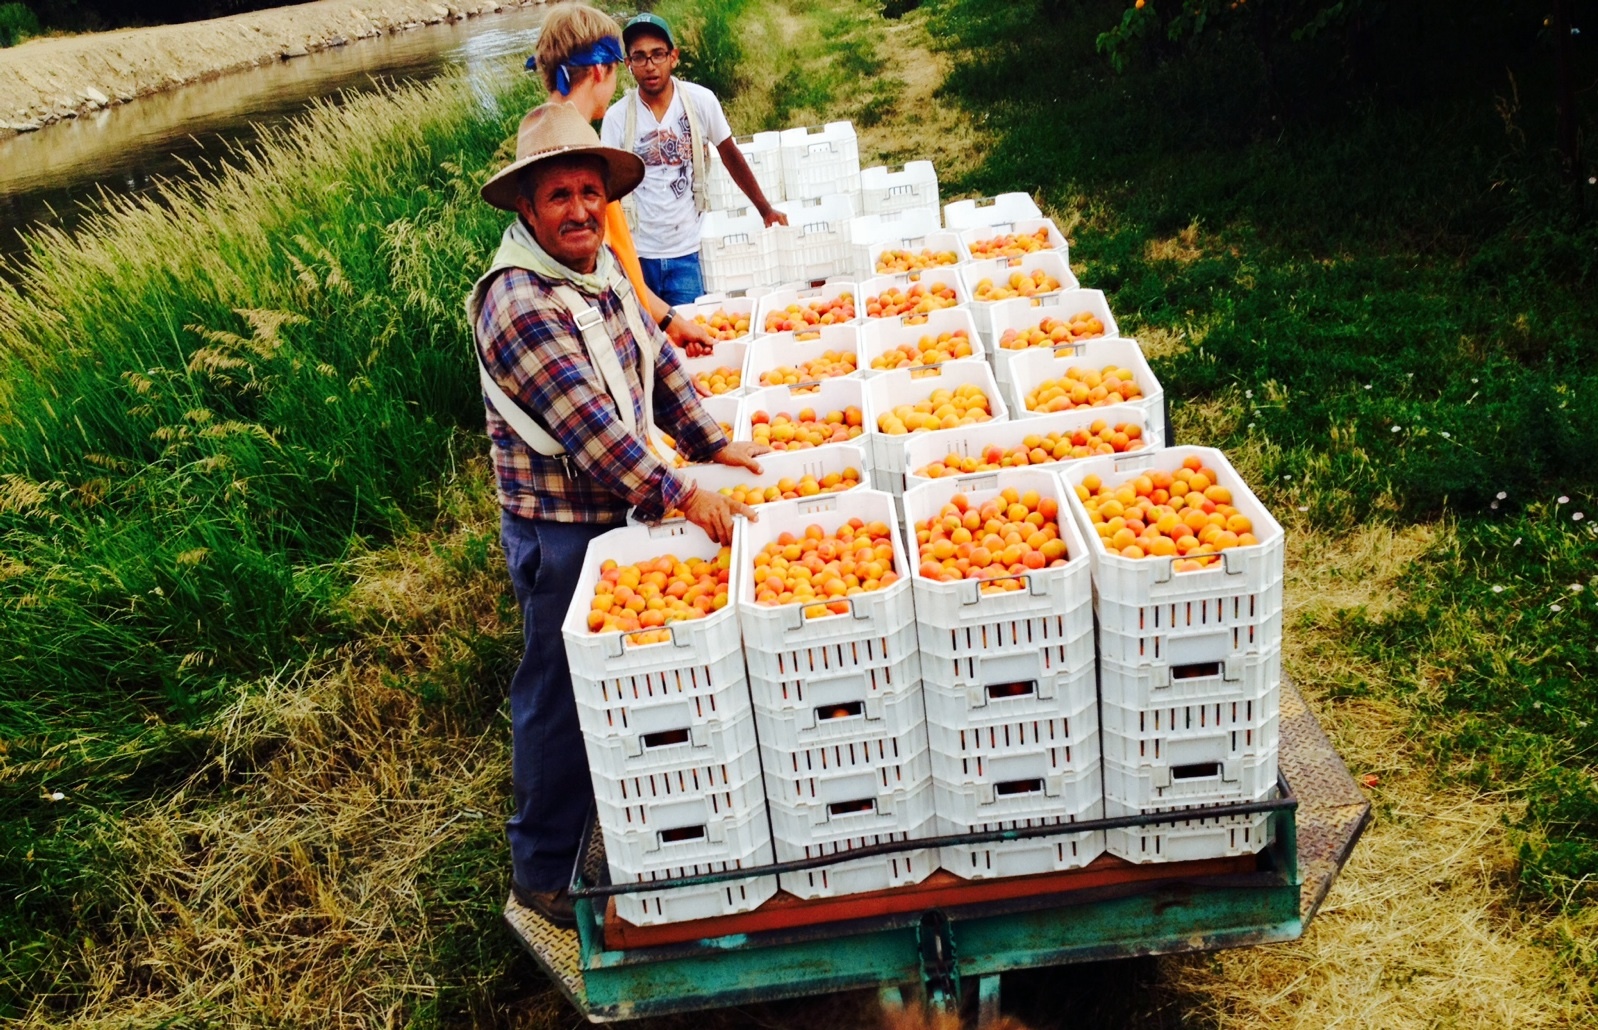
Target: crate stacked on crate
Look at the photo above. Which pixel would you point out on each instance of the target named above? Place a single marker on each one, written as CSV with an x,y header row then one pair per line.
x,y
891,252
1067,317
737,251
799,360
763,153
992,281
906,401
915,341
930,289
960,215
886,189
1042,441
1014,239
870,234
815,242
829,633
1189,605
667,723
1007,666
1091,373
820,161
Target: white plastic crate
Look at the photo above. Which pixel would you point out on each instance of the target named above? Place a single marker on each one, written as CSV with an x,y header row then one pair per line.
x,y
840,393
1026,787
1021,313
600,658
870,253
857,876
999,271
1190,835
724,409
880,335
1031,368
737,251
738,302
781,642
1022,857
1060,597
1149,613
683,703
787,296
776,467
818,160
890,389
1194,774
763,153
977,235
889,228
691,794
1004,689
716,899
729,354
888,787
852,712
968,441
910,185
1170,734
1006,207
777,350
875,286
815,242
890,667
692,850
991,756
1237,678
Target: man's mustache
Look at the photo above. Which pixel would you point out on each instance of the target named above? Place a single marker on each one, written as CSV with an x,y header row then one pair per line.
x,y
591,224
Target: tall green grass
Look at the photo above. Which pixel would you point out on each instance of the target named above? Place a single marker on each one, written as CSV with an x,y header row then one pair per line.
x,y
207,402
1377,289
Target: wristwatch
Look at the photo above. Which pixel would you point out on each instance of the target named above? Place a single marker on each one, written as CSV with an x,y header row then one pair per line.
x,y
664,322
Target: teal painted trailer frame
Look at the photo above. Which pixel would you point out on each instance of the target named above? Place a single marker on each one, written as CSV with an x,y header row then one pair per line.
x,y
949,950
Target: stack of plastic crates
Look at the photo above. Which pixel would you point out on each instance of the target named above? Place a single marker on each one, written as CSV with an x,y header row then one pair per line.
x,y
670,736
1189,675
888,390
1008,676
763,153
838,705
820,160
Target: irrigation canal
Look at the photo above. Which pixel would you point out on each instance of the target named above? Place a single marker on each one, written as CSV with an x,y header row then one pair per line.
x,y
59,174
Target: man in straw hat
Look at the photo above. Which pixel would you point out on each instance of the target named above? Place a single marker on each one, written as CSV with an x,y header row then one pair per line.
x,y
574,376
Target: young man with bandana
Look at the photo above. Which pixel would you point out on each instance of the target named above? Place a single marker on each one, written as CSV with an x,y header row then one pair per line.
x,y
574,377
672,125
578,54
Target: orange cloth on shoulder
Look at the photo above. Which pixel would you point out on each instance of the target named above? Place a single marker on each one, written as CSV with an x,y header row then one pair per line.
x,y
620,238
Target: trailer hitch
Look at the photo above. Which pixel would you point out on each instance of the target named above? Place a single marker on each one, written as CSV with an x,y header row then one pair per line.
x,y
940,972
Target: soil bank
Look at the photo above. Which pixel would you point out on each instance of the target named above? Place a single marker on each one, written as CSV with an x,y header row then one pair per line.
x,y
45,80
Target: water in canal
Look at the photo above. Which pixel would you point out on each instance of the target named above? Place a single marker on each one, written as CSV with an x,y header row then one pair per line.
x,y
56,175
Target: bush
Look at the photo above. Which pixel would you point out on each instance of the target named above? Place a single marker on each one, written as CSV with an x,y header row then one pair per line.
x,y
17,22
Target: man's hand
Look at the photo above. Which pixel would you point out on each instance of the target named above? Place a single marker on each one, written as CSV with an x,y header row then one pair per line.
x,y
713,513
692,337
741,454
773,217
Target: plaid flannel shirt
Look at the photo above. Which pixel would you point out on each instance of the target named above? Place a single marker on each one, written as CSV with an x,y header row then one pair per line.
x,y
534,351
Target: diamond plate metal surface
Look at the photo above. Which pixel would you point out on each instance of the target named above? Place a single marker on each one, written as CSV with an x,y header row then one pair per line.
x,y
1332,812
556,951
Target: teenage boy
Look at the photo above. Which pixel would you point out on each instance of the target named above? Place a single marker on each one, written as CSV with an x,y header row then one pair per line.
x,y
671,125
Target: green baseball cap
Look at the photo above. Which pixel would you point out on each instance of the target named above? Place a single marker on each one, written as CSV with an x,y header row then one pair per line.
x,y
647,21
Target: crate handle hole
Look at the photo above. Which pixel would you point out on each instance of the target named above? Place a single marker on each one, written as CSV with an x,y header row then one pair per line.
x,y
681,834
665,738
848,711
1197,771
852,807
1009,787
1195,670
1003,690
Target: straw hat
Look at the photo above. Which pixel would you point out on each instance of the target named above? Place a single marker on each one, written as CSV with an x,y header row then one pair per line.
x,y
550,131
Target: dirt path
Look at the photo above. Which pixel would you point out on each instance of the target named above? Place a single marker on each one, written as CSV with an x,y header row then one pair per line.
x,y
45,80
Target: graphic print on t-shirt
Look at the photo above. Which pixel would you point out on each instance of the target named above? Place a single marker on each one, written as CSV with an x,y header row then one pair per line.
x,y
664,147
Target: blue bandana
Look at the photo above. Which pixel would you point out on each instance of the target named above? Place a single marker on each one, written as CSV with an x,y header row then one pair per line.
x,y
604,51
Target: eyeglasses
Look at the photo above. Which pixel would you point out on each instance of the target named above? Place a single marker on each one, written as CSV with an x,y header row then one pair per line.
x,y
655,57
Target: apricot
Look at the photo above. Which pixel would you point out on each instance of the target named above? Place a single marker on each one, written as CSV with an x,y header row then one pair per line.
x,y
1184,515
890,262
643,598
1022,540
825,311
1011,245
822,570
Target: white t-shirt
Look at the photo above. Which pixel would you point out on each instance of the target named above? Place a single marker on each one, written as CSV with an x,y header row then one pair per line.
x,y
668,225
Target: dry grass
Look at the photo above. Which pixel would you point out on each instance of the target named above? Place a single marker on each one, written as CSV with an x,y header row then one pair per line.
x,y
921,126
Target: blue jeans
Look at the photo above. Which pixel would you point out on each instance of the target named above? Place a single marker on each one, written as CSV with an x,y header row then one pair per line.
x,y
675,280
549,768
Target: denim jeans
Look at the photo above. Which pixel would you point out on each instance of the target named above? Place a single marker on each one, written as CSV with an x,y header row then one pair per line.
x,y
675,280
549,768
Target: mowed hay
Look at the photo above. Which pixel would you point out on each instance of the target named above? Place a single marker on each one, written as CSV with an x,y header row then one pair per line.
x,y
1420,929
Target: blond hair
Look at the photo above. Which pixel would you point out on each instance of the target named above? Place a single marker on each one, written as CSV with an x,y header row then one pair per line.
x,y
567,29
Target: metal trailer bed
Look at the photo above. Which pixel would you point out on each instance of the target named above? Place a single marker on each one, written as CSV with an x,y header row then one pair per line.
x,y
949,936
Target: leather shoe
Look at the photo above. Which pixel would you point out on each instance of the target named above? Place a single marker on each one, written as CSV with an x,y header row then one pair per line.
x,y
556,907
